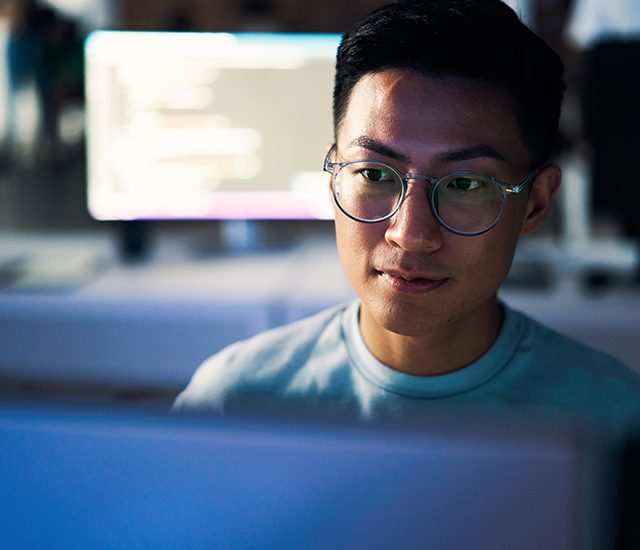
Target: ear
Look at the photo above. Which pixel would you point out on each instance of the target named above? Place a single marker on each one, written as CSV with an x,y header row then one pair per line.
x,y
543,188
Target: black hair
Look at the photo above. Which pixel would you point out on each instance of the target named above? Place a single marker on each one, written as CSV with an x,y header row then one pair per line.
x,y
482,40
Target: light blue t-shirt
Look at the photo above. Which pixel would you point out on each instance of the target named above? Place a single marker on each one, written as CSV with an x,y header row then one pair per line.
x,y
322,362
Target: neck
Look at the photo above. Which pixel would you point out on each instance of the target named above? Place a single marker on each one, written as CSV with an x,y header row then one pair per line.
x,y
447,349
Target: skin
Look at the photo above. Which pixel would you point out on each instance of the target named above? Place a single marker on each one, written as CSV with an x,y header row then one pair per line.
x,y
429,297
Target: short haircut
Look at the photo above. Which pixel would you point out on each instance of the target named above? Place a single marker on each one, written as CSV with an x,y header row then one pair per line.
x,y
482,40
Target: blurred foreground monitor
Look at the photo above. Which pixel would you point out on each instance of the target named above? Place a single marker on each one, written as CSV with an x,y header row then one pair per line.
x,y
99,479
208,125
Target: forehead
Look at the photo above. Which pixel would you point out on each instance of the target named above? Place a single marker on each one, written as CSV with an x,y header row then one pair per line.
x,y
424,116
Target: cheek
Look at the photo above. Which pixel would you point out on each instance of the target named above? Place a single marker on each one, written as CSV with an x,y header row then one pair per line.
x,y
345,243
489,256
494,253
515,212
482,271
349,242
510,225
356,242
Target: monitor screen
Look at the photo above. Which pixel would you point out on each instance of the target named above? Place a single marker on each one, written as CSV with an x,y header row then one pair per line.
x,y
208,125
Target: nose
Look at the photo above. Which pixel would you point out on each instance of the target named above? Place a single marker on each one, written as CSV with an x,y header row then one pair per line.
x,y
414,227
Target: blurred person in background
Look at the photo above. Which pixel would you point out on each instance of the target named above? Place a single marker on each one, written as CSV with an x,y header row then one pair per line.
x,y
608,32
45,71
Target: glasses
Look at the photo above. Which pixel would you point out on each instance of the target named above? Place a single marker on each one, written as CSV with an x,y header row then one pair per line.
x,y
465,203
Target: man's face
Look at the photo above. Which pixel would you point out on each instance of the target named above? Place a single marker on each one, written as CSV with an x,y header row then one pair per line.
x,y
414,277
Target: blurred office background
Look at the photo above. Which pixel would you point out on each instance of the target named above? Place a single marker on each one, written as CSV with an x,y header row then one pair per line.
x,y
118,310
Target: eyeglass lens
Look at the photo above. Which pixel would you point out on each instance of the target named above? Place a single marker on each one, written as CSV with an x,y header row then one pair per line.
x,y
370,191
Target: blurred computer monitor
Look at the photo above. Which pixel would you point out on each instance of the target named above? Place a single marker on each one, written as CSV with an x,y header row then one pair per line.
x,y
208,125
97,479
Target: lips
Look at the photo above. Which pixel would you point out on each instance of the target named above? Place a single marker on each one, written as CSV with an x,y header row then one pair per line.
x,y
410,283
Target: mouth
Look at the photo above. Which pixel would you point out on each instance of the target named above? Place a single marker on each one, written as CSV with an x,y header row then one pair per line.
x,y
411,284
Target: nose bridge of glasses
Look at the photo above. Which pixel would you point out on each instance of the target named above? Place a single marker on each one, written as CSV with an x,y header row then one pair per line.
x,y
416,224
430,187
418,197
420,177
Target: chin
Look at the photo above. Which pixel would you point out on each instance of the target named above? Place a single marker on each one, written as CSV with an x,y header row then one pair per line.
x,y
408,322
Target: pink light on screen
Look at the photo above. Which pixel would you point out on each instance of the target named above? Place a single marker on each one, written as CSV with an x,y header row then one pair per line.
x,y
238,205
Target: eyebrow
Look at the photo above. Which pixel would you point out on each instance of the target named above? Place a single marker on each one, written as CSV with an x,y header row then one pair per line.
x,y
380,148
469,153
481,150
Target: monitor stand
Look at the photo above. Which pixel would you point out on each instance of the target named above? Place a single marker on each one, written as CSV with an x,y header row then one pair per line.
x,y
134,239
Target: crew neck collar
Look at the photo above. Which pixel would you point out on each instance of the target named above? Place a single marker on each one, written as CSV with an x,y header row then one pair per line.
x,y
460,381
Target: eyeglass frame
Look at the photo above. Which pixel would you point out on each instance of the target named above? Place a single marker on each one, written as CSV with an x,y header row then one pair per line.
x,y
506,189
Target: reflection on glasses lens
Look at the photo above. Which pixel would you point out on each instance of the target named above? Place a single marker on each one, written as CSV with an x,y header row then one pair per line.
x,y
370,191
468,204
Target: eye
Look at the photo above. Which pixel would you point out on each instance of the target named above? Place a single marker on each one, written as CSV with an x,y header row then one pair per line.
x,y
465,184
375,174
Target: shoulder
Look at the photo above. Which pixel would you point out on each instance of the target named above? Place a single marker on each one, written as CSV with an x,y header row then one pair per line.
x,y
572,371
265,364
550,345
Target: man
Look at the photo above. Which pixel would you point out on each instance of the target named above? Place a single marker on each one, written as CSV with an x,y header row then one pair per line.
x,y
445,112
